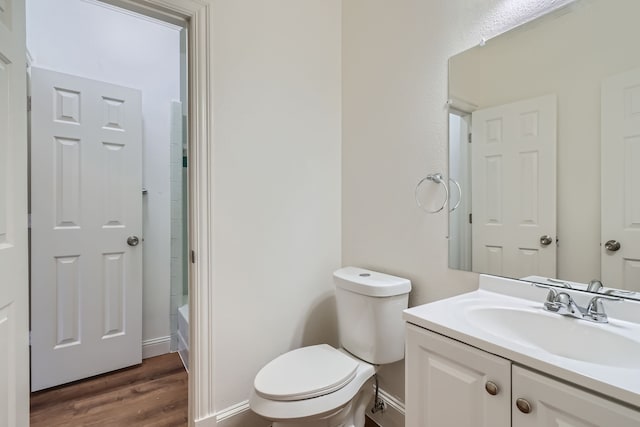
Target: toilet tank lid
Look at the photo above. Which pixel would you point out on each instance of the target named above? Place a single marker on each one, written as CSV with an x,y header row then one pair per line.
x,y
370,283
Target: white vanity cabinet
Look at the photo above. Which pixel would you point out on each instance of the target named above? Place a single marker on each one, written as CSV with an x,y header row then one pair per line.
x,y
451,384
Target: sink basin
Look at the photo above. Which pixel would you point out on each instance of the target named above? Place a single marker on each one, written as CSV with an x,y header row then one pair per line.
x,y
562,336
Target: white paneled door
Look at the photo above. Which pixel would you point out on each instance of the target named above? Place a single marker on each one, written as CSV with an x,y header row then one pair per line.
x,y
86,205
514,188
620,148
14,287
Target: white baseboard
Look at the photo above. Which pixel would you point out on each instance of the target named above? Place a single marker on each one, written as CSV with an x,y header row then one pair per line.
x,y
238,415
393,414
209,421
156,346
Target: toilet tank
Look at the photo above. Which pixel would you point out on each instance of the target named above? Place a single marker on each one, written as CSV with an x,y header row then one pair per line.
x,y
369,306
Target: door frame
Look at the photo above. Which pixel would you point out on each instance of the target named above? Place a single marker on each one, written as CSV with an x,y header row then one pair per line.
x,y
463,239
197,17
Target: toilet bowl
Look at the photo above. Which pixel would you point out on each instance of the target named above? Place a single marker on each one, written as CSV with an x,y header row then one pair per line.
x,y
312,386
321,386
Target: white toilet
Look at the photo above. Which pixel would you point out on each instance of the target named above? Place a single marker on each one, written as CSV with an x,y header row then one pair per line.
x,y
320,386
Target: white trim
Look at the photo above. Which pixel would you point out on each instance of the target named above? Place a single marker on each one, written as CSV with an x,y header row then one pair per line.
x,y
30,59
156,346
209,421
197,15
232,411
393,414
239,415
137,15
461,105
177,12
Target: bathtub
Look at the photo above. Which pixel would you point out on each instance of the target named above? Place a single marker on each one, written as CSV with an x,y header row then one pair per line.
x,y
183,335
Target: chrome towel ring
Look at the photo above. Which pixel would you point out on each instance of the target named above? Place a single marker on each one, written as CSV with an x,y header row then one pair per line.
x,y
457,184
438,179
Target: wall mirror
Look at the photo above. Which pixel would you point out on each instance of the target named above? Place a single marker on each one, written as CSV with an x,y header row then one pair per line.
x,y
550,182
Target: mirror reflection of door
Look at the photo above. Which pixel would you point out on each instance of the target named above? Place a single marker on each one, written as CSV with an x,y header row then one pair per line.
x,y
514,188
460,171
620,154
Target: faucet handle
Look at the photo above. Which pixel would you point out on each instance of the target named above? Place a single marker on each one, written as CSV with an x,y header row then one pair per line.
x,y
594,286
619,292
595,308
552,303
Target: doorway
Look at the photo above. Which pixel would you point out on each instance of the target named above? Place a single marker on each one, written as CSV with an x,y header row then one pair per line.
x,y
198,18
77,38
460,173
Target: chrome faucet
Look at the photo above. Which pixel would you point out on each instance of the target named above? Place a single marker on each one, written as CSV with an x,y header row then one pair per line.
x,y
597,287
595,309
562,303
594,286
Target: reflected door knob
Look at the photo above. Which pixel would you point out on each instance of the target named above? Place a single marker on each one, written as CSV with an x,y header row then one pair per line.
x,y
545,240
133,240
612,245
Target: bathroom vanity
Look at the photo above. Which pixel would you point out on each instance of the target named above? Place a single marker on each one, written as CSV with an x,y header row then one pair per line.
x,y
495,357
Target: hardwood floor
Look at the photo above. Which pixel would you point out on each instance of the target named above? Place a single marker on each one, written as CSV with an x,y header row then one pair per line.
x,y
152,394
368,422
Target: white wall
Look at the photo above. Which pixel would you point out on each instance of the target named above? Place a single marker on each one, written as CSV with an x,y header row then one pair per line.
x,y
394,56
82,38
277,183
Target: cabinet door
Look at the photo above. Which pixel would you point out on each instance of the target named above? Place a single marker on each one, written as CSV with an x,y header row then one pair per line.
x,y
554,404
446,383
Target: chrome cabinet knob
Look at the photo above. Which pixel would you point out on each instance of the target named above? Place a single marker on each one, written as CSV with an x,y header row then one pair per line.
x,y
545,240
523,405
133,240
491,388
612,245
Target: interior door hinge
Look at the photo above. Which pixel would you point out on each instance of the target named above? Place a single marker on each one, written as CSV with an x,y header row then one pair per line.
x,y
29,103
29,338
470,218
193,257
469,137
28,220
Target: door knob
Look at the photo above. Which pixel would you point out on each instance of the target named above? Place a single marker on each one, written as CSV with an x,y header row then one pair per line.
x,y
612,245
523,405
492,388
133,240
545,240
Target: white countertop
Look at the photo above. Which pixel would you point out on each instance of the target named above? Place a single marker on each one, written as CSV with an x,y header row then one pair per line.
x,y
447,317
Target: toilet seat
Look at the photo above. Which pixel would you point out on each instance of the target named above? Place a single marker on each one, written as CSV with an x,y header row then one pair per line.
x,y
325,405
305,373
